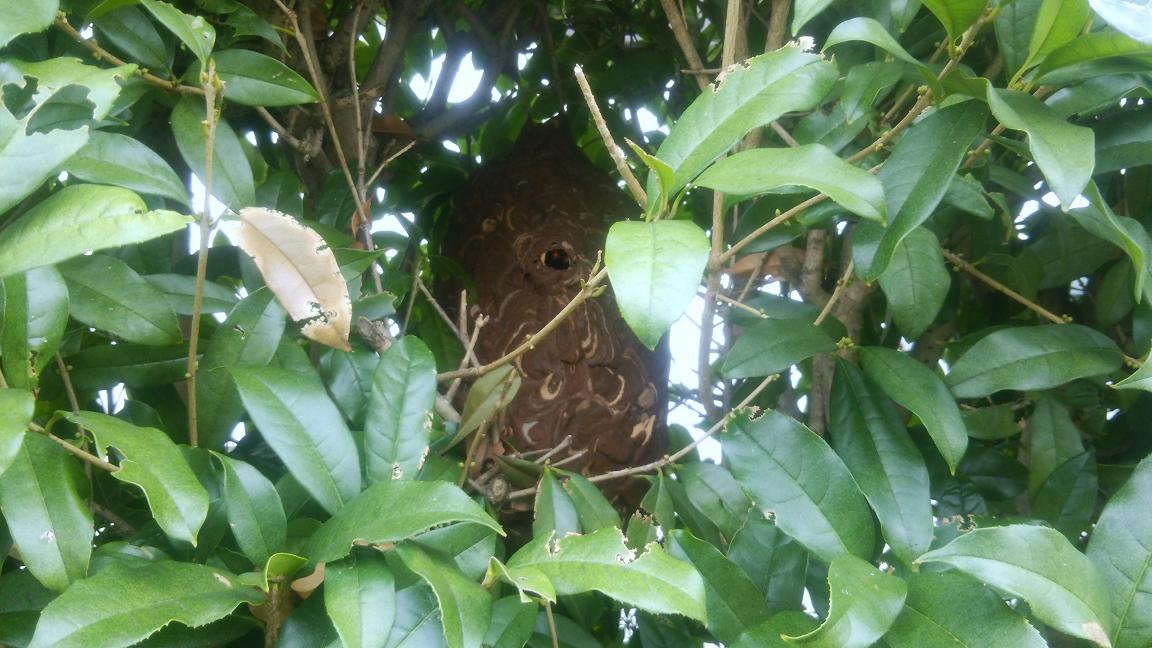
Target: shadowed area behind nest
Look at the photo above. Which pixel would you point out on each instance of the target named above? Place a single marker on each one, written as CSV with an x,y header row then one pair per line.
x,y
527,230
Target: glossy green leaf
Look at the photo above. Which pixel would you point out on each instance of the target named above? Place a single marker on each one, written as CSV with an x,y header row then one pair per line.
x,y
1065,153
655,270
1057,22
660,168
920,390
929,618
956,15
806,10
77,219
348,376
1121,549
915,179
304,428
1125,140
1052,440
232,180
255,513
865,603
1032,357
733,602
758,91
16,409
512,623
799,482
35,314
108,295
194,31
869,30
867,434
25,17
129,600
761,170
989,423
180,291
773,345
1067,499
867,84
716,493
123,161
600,561
1139,379
1125,233
464,605
131,30
101,367
1087,48
775,562
360,597
470,546
553,511
50,523
399,417
253,79
150,460
593,510
771,633
248,338
390,511
916,282
488,395
1039,565
417,619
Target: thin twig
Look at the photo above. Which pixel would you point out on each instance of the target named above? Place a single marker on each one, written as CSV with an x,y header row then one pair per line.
x,y
210,83
758,312
283,132
469,352
1001,288
609,143
104,55
79,452
684,39
585,293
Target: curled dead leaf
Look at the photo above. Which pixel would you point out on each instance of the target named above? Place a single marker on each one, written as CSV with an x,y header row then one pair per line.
x,y
302,272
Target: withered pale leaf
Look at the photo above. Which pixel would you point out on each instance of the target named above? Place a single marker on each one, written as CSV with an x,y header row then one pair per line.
x,y
302,272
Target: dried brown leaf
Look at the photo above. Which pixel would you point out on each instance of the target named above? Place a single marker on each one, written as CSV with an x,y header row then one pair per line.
x,y
302,272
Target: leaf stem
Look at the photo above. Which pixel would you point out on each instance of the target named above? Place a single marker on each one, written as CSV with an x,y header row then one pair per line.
x,y
959,262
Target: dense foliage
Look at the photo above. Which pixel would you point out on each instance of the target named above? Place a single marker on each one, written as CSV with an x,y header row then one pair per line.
x,y
921,249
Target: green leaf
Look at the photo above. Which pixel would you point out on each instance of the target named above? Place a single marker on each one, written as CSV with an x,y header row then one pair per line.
x,y
758,91
1052,440
470,546
593,510
930,619
1121,548
107,294
869,30
916,282
417,619
915,179
806,10
194,31
759,171
25,17
717,494
1065,153
512,623
122,161
775,562
867,434
865,603
253,79
773,345
1032,357
800,483
232,180
956,15
553,513
399,418
151,461
770,633
255,513
1125,233
50,523
465,607
733,602
360,597
1124,140
1038,565
390,511
655,270
1086,48
920,390
35,314
1067,499
248,338
132,31
660,168
1139,379
16,409
304,428
180,291
600,561
1014,24
101,367
77,219
488,395
1057,22
129,600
